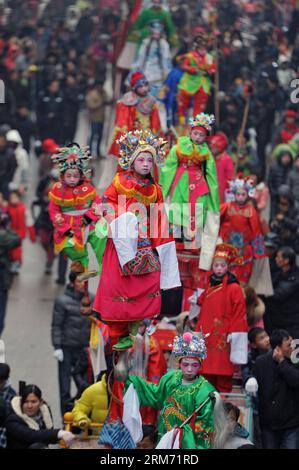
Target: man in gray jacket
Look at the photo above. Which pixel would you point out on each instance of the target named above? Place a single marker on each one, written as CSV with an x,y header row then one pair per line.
x,y
70,334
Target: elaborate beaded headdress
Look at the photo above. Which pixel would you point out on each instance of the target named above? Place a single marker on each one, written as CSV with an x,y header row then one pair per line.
x,y
72,157
190,345
203,120
244,183
133,143
227,252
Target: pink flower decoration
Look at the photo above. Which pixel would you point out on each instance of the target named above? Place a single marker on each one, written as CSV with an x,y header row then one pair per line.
x,y
187,337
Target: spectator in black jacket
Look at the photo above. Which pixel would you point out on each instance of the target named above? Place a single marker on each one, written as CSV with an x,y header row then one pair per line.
x,y
259,344
285,222
8,165
277,376
30,424
70,334
24,125
49,112
6,395
278,174
282,306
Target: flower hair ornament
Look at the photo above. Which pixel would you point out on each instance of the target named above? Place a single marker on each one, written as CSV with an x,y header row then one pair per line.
x,y
244,183
190,345
133,143
72,157
202,120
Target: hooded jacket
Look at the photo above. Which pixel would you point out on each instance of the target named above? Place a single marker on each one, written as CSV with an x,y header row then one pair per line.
x,y
21,174
278,173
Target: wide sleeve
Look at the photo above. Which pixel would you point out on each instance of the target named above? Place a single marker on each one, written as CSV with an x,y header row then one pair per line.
x,y
123,226
58,221
124,233
229,170
258,245
149,394
121,125
155,120
93,212
168,171
212,218
238,327
164,243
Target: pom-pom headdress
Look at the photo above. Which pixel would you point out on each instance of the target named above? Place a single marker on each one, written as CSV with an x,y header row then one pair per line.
x,y
136,79
202,120
190,345
133,143
72,157
244,183
227,252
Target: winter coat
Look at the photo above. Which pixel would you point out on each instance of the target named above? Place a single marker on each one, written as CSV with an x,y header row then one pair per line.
x,y
23,431
69,327
8,165
92,405
282,307
6,395
278,175
21,174
95,102
8,240
293,183
278,392
26,128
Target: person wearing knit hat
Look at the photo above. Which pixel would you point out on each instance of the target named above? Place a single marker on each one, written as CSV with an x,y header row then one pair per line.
x,y
186,399
137,109
223,316
189,178
139,259
198,65
224,163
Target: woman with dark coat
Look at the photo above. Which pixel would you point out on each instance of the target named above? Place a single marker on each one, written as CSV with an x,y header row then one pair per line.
x,y
30,424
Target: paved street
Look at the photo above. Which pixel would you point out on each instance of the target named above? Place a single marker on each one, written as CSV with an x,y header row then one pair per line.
x,y
27,336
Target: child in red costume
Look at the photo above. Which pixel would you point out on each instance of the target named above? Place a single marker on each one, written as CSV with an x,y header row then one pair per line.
x,y
73,207
20,222
198,66
137,109
140,259
224,164
240,226
223,318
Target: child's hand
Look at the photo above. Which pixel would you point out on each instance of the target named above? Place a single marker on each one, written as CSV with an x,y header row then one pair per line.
x,y
59,219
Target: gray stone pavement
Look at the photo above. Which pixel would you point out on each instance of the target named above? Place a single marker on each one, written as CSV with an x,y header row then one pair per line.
x,y
27,334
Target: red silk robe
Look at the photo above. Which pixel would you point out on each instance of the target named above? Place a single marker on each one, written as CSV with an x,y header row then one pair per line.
x,y
134,113
66,209
122,296
241,227
223,311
